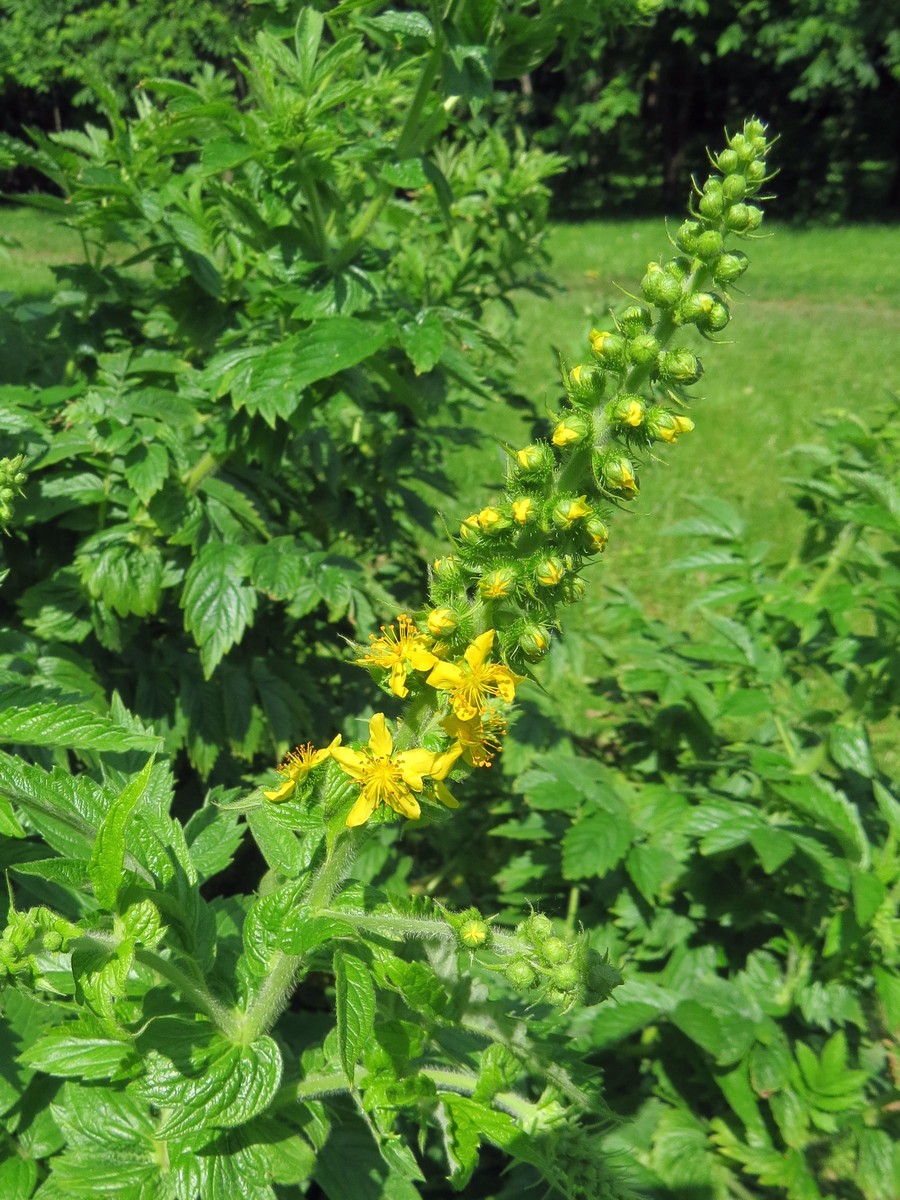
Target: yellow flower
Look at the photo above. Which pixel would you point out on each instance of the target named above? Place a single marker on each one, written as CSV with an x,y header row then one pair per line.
x,y
399,652
386,778
670,425
488,518
470,682
522,508
479,737
634,413
297,766
566,432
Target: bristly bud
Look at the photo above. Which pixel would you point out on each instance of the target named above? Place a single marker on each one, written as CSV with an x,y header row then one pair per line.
x,y
498,584
716,319
608,349
594,534
533,464
441,622
570,430
666,426
447,569
734,188
709,245
568,510
695,307
727,162
730,267
679,367
627,409
615,473
572,589
635,320
688,235
520,974
536,928
555,951
642,349
492,521
533,641
712,203
472,931
661,288
584,384
550,571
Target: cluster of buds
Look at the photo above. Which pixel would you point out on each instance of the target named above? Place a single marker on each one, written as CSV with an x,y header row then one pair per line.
x,y
12,477
28,938
516,563
560,971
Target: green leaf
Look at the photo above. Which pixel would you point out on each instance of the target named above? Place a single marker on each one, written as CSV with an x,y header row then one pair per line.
x,y
146,469
307,36
279,568
423,341
850,749
868,895
878,1165
355,1003
595,845
80,1049
408,174
106,867
124,574
71,726
217,604
18,1177
349,1167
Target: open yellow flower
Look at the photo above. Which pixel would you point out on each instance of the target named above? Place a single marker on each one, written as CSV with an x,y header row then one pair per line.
x,y
473,680
399,652
388,778
297,766
479,737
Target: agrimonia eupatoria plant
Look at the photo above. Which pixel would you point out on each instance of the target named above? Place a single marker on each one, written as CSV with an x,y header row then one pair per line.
x,y
186,1035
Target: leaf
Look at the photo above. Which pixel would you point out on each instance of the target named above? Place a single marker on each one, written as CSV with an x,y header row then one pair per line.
x,y
405,24
146,469
71,726
355,1003
595,845
408,174
78,1050
850,749
307,36
106,866
423,341
217,604
125,575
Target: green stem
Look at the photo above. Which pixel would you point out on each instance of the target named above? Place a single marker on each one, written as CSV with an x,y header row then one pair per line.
x,y
193,989
842,546
205,465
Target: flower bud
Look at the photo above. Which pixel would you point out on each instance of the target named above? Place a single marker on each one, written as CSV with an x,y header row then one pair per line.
x,y
634,320
742,147
608,349
498,584
520,974
626,410
694,308
536,928
661,288
473,933
533,641
572,589
727,162
568,510
447,569
601,978
535,461
615,473
643,349
730,267
666,426
523,509
594,534
688,235
566,977
716,319
492,521
734,188
549,571
584,384
441,621
755,174
737,218
572,429
754,218
712,203
470,530
679,367
709,245
555,950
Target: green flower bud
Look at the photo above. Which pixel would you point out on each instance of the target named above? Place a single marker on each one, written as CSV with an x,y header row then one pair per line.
x,y
441,622
643,349
716,319
473,933
712,202
615,473
743,148
536,928
755,173
694,308
635,320
572,590
730,267
566,977
533,641
52,940
573,428
709,245
679,367
550,571
688,235
754,218
666,426
734,188
601,978
584,384
727,162
447,569
628,410
594,534
608,349
737,218
555,950
661,288
568,510
534,463
498,584
520,974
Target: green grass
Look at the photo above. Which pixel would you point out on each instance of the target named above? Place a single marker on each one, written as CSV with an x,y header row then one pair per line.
x,y
38,243
814,329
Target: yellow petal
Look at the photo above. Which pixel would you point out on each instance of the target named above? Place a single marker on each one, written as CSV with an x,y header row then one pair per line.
x,y
350,761
413,764
380,741
406,805
361,810
422,660
398,680
479,649
444,675
443,763
445,795
283,793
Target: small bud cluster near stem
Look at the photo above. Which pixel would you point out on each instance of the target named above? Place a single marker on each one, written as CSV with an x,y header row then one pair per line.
x,y
517,563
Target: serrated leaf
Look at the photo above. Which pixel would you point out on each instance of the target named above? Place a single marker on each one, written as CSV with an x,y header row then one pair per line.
x,y
146,469
71,726
355,1005
77,1050
595,845
218,605
106,866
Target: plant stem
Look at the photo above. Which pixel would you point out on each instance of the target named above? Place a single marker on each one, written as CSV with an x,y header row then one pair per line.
x,y
194,989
